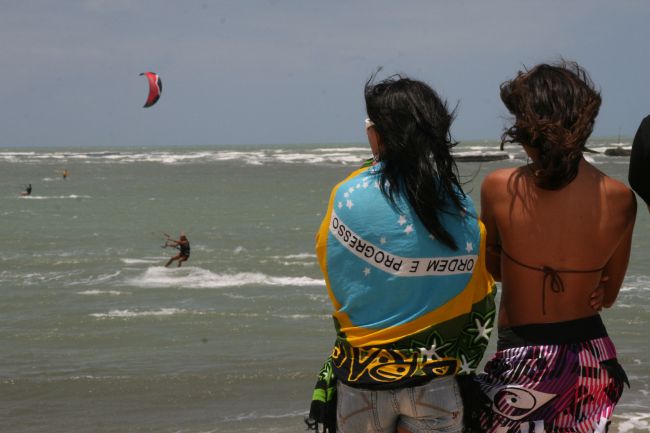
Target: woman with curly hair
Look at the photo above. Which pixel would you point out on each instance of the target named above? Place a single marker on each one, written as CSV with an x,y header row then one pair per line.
x,y
558,231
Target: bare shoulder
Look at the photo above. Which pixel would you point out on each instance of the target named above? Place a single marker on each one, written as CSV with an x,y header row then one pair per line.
x,y
496,181
619,195
498,177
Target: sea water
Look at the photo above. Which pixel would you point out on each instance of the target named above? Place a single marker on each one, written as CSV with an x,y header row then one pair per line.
x,y
98,336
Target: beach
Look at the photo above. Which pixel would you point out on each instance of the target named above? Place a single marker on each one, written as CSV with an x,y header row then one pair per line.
x,y
98,336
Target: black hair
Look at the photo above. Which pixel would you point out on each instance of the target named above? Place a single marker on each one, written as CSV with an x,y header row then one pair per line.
x,y
555,108
413,124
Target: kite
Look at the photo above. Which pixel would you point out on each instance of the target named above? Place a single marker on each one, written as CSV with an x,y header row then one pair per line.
x,y
155,88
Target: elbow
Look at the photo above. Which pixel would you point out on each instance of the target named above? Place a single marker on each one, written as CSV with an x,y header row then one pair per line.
x,y
608,301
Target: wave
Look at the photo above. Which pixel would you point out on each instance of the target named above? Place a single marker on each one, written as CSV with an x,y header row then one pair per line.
x,y
139,261
255,415
352,154
302,316
35,278
112,314
636,283
102,278
296,256
48,197
199,278
320,156
302,259
631,422
102,292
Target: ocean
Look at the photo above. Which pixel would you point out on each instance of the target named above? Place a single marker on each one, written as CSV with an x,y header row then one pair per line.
x,y
98,336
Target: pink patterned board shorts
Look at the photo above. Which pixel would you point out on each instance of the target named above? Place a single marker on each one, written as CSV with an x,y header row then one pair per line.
x,y
552,388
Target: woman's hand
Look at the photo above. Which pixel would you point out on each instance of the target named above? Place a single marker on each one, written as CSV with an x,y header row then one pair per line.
x,y
596,300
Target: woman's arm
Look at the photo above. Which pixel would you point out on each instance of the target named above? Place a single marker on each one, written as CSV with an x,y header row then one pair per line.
x,y
617,265
493,256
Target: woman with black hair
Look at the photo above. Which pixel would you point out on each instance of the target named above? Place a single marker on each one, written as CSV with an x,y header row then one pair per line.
x,y
558,231
403,255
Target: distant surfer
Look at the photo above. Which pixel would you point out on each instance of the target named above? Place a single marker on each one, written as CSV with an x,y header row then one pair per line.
x,y
65,173
183,247
28,190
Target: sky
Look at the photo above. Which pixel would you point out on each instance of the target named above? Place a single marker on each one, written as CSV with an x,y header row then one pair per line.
x,y
292,72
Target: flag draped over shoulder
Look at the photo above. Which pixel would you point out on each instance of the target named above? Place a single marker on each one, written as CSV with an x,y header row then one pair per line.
x,y
407,308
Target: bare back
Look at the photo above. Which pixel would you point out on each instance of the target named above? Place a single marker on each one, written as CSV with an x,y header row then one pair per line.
x,y
552,248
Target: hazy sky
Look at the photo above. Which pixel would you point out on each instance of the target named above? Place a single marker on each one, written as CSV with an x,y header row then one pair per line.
x,y
252,72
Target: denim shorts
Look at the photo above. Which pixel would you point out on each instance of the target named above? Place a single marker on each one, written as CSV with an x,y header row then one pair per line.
x,y
433,407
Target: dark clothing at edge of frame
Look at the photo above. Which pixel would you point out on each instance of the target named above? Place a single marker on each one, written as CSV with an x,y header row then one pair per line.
x,y
639,175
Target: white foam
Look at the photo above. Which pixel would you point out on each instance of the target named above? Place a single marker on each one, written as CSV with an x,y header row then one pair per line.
x,y
302,316
297,256
102,278
255,415
342,155
636,283
633,421
318,297
342,149
139,261
290,263
199,278
101,292
131,313
43,197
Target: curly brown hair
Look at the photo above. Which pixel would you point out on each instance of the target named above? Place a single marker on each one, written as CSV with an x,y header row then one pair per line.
x,y
555,108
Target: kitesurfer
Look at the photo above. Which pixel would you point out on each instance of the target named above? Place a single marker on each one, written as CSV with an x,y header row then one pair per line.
x,y
28,190
183,247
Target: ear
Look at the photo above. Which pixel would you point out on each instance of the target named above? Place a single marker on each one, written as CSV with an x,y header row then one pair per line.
x,y
376,143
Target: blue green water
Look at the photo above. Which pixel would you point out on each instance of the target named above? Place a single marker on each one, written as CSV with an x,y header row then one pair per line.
x,y
98,336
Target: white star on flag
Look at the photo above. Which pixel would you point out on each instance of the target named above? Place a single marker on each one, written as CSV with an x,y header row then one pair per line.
x,y
358,186
346,195
409,229
366,271
382,240
483,330
349,204
365,184
464,366
340,205
469,247
402,220
431,352
351,189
